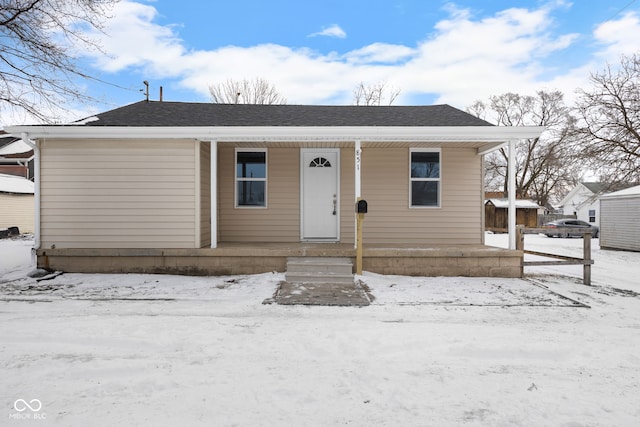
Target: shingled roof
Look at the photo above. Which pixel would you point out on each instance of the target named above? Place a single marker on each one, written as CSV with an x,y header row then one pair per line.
x,y
154,113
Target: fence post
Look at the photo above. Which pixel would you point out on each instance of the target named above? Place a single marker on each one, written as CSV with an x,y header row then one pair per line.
x,y
520,245
587,258
519,237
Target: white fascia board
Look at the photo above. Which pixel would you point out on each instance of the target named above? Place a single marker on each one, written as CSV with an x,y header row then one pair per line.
x,y
487,134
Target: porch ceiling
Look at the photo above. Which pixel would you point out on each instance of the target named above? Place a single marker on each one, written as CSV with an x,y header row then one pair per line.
x,y
351,144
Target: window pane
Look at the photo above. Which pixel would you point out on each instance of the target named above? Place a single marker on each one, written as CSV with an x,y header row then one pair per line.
x,y
251,193
425,165
424,193
251,164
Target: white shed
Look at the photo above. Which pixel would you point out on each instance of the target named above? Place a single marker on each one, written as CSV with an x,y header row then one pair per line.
x,y
620,220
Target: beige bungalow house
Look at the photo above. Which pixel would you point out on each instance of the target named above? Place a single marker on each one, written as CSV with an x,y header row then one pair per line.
x,y
195,188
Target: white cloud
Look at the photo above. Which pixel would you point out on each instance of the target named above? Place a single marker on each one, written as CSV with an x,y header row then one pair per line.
x,y
380,53
331,31
135,41
462,60
467,59
619,36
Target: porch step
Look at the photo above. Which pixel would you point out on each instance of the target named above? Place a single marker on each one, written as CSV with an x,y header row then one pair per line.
x,y
319,270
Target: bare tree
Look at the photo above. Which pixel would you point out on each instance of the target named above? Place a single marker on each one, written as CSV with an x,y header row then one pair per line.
x,y
257,91
37,65
610,121
545,166
374,94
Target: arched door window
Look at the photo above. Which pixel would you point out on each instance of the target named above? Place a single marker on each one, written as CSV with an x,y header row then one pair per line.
x,y
319,162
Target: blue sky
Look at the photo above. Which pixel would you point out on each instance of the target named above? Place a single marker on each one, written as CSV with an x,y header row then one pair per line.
x,y
317,52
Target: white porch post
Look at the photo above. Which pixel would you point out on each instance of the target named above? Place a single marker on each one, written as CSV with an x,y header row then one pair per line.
x,y
358,189
214,193
511,166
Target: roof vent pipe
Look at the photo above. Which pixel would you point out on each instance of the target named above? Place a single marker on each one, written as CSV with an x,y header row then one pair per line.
x,y
160,93
146,92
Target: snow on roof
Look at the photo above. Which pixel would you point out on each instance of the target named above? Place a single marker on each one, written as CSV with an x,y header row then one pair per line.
x,y
15,184
520,203
15,147
86,120
628,192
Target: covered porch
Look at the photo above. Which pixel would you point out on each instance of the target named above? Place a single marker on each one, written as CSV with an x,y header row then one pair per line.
x,y
223,189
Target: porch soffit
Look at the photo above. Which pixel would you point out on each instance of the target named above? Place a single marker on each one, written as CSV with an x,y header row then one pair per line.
x,y
351,144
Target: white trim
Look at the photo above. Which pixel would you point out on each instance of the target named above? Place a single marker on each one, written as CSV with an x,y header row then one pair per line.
x,y
511,213
497,134
438,180
358,166
265,179
358,187
213,172
338,206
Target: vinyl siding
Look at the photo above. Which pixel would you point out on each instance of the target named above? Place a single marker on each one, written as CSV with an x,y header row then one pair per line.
x,y
385,186
619,223
280,220
118,194
16,210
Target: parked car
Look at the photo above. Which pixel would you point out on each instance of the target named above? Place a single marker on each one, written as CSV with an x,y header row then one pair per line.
x,y
569,227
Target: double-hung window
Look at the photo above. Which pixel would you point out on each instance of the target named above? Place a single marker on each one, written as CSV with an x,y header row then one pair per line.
x,y
251,178
424,177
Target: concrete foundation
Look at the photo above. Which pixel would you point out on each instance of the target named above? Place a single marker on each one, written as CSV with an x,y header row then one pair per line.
x,y
233,259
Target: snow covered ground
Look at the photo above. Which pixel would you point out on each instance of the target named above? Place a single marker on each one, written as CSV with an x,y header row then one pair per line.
x,y
105,350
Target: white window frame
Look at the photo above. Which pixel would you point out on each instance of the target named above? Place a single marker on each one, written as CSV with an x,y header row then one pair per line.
x,y
438,179
236,179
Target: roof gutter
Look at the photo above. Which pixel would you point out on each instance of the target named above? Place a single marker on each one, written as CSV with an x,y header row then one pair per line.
x,y
36,189
488,134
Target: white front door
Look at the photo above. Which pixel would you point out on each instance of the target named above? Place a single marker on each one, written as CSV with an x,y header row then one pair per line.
x,y
320,198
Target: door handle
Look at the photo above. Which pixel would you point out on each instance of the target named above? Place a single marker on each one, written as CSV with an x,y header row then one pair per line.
x,y
335,204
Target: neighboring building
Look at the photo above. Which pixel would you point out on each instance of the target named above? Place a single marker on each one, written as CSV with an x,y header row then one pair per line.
x,y
582,202
209,188
496,214
16,157
16,203
620,223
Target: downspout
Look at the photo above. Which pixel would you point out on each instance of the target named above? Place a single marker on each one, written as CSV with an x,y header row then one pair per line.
x,y
36,182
